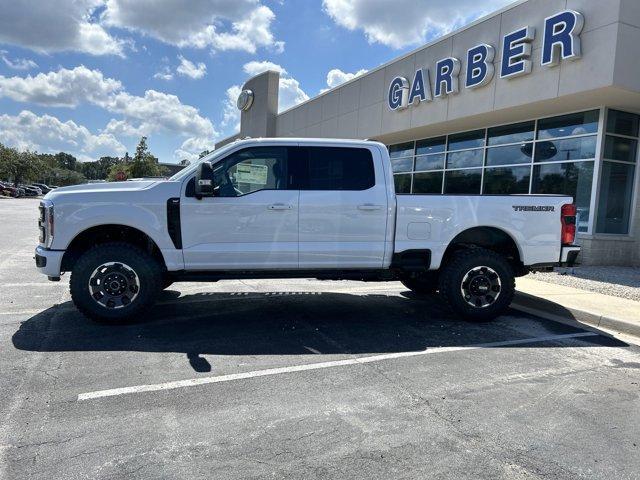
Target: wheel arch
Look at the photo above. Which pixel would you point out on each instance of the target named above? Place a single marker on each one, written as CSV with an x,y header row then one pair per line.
x,y
100,234
491,238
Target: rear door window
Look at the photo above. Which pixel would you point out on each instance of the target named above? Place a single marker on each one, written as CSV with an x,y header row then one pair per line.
x,y
338,168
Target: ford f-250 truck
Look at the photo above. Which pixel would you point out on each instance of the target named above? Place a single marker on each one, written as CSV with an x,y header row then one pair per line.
x,y
302,208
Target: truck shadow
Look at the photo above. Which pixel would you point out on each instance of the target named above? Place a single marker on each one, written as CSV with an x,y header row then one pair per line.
x,y
274,323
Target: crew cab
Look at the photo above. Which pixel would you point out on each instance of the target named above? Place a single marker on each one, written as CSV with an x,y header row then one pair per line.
x,y
295,208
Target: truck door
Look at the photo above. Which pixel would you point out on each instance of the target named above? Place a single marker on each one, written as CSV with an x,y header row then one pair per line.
x,y
252,222
343,209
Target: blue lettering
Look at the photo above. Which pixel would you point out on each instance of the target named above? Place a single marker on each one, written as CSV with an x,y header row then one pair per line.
x,y
480,69
447,71
398,93
562,37
421,88
516,53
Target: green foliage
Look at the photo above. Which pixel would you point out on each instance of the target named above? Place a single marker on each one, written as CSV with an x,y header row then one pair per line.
x,y
65,169
19,166
143,164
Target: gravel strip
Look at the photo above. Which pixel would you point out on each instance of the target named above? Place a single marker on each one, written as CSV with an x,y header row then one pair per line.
x,y
623,282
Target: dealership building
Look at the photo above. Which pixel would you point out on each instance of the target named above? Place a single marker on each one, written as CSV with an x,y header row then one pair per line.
x,y
541,97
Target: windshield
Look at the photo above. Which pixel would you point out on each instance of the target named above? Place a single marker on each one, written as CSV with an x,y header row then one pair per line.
x,y
192,167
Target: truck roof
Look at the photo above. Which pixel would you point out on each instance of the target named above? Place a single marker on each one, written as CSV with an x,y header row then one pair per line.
x,y
344,142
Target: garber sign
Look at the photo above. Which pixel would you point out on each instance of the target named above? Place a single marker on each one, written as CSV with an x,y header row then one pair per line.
x,y
561,41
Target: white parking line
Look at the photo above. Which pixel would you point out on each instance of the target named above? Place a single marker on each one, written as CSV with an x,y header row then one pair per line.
x,y
316,366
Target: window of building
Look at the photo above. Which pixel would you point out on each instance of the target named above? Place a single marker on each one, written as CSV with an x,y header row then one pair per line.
x,y
427,182
506,180
402,183
618,172
550,155
466,181
568,125
567,178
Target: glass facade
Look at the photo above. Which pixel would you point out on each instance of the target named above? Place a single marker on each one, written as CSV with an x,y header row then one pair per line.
x,y
618,172
555,155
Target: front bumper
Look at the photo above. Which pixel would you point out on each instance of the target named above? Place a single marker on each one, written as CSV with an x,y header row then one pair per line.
x,y
48,262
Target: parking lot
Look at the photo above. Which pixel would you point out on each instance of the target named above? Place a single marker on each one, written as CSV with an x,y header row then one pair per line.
x,y
300,379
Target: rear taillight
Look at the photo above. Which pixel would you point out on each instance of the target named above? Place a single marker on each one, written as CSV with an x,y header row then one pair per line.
x,y
568,219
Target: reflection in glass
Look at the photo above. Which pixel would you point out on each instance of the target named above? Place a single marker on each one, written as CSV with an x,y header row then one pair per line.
x,y
430,162
518,132
614,204
402,164
618,148
401,150
567,149
506,180
463,181
622,123
567,125
466,158
510,154
431,145
572,179
471,139
402,183
430,182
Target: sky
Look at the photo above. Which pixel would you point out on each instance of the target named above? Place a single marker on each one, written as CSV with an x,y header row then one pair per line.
x,y
90,77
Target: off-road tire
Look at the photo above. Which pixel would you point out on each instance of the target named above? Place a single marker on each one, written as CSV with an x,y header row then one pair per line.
x,y
425,284
456,269
148,272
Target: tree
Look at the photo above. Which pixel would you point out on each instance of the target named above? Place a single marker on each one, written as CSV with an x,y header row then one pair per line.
x,y
66,160
19,166
143,164
204,153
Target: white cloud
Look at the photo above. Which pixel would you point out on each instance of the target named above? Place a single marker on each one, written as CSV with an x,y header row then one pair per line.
x,y
256,68
337,77
50,135
218,24
54,26
142,115
407,22
190,69
17,63
192,147
290,93
231,114
164,74
62,88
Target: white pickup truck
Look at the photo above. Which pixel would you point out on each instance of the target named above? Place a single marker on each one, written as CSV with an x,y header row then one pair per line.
x,y
302,208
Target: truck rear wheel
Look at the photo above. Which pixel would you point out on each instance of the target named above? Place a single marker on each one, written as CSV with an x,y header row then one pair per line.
x,y
478,284
115,282
424,284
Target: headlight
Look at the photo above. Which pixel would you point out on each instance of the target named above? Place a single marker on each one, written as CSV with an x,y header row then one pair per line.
x,y
46,223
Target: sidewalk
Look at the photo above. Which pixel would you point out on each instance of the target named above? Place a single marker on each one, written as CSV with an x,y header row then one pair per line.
x,y
571,305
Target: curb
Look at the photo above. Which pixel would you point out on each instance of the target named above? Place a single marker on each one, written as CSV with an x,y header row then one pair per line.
x,y
572,316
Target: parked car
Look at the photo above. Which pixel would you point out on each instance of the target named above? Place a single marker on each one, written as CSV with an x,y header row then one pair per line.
x,y
45,189
9,190
31,191
296,208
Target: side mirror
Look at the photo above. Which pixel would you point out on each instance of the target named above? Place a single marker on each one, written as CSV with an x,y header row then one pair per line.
x,y
204,180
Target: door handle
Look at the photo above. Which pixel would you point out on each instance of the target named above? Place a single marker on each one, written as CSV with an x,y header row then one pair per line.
x,y
369,206
280,206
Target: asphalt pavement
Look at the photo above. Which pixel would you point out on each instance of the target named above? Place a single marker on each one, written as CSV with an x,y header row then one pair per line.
x,y
301,379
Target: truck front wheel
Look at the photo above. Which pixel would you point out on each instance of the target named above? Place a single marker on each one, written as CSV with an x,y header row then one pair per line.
x,y
115,282
478,284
